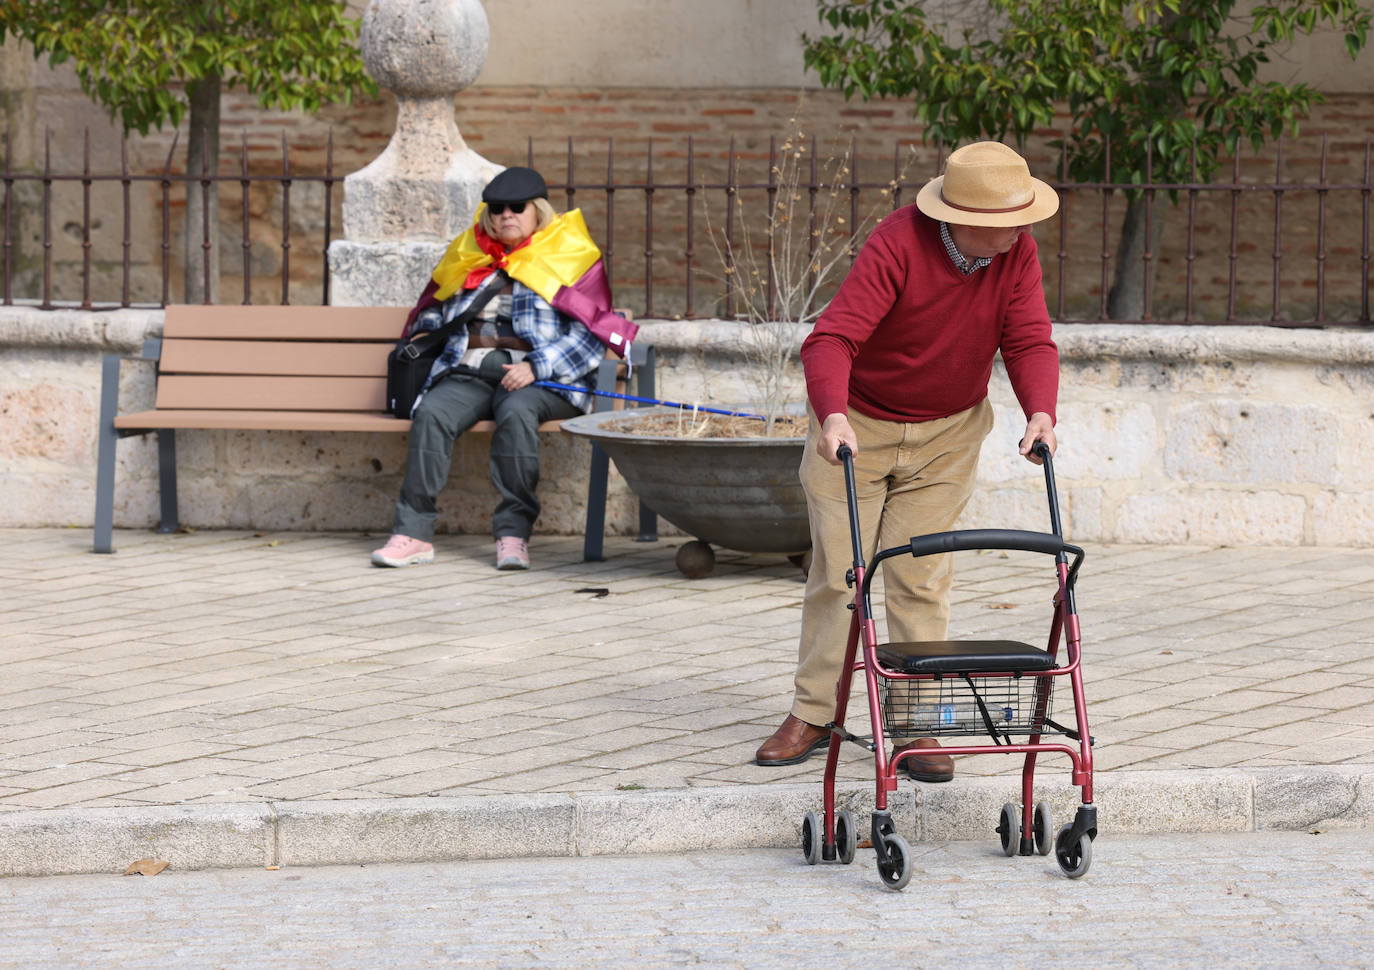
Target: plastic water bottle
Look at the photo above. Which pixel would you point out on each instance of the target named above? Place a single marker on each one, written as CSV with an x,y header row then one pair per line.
x,y
943,717
965,715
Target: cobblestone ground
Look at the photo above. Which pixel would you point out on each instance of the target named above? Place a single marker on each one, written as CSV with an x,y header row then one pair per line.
x,y
1257,900
242,667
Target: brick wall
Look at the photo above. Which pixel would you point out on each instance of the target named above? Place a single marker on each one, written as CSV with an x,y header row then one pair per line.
x,y
612,130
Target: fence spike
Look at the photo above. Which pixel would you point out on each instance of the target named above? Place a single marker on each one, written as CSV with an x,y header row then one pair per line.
x,y
247,242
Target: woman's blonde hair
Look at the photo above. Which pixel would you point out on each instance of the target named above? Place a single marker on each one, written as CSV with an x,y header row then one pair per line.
x,y
542,207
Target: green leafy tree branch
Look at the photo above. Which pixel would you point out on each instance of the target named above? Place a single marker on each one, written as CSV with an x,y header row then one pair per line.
x,y
154,62
1170,83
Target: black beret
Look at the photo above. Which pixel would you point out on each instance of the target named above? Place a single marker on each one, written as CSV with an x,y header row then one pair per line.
x,y
516,184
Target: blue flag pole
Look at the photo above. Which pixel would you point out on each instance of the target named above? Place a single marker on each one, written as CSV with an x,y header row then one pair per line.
x,y
554,385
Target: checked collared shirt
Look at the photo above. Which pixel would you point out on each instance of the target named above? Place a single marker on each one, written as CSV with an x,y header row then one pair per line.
x,y
564,350
961,262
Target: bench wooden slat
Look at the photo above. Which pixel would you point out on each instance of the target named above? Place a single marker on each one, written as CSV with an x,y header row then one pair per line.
x,y
282,421
269,357
272,393
285,322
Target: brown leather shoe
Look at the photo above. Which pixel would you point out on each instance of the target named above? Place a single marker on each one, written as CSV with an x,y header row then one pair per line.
x,y
926,767
792,743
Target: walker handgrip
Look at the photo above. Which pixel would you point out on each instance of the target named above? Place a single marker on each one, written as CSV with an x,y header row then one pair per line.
x,y
1041,450
846,456
990,539
941,542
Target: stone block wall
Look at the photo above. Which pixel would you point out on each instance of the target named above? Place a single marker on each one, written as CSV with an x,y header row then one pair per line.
x,y
1205,435
1198,435
1202,435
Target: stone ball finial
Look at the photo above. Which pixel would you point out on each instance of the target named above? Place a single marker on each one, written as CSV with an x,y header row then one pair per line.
x,y
424,48
400,210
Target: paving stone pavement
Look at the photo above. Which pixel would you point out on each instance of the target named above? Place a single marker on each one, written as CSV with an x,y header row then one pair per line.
x,y
215,668
1249,900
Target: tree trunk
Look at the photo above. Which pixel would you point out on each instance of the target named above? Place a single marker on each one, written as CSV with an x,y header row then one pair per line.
x,y
1126,300
202,204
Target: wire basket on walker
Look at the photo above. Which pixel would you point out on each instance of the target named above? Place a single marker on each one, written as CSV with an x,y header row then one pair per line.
x,y
1001,688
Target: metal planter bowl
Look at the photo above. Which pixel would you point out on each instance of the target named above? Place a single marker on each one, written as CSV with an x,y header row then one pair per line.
x,y
740,493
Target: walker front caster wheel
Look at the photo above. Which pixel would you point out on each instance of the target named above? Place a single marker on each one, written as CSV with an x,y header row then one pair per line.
x,y
1073,855
895,870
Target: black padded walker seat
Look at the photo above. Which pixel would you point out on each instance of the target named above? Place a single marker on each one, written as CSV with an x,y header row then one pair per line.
x,y
963,656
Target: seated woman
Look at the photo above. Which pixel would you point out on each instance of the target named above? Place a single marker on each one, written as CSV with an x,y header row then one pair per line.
x,y
534,320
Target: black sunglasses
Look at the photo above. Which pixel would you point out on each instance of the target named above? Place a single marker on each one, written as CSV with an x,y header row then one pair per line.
x,y
499,208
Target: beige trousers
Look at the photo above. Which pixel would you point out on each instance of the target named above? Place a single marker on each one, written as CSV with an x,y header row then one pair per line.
x,y
910,479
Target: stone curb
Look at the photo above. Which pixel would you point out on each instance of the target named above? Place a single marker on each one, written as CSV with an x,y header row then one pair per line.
x,y
121,330
316,833
1193,344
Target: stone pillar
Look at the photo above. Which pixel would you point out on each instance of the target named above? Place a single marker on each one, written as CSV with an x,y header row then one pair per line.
x,y
401,211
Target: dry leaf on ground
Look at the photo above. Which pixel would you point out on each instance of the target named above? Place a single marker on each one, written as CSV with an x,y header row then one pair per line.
x,y
146,867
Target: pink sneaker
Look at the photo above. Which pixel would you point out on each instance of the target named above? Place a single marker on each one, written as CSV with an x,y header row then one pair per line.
x,y
512,553
403,551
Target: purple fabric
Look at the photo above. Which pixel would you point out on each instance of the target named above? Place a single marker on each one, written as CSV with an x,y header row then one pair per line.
x,y
426,301
589,302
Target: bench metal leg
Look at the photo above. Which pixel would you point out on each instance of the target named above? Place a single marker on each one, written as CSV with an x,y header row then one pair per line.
x,y
648,524
106,440
648,518
592,550
598,475
167,478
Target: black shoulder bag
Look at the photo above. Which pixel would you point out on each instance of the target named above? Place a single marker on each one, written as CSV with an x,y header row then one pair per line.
x,y
409,363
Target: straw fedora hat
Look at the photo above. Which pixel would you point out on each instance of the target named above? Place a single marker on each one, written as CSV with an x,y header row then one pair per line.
x,y
987,184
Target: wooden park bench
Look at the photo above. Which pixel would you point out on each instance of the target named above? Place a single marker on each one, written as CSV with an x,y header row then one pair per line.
x,y
294,368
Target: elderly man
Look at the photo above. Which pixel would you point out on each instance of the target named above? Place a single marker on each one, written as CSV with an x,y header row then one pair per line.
x,y
897,368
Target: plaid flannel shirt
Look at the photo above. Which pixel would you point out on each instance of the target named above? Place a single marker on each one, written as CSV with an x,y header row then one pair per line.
x,y
564,350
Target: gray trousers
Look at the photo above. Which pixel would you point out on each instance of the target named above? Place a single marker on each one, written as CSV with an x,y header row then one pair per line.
x,y
448,409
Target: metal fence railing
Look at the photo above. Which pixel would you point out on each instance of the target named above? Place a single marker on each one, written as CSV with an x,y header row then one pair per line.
x,y
54,258
1285,240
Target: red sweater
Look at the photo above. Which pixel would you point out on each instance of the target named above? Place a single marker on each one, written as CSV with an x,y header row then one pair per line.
x,y
910,338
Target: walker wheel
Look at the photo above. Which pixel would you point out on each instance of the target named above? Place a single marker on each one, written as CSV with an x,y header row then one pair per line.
x,y
846,836
812,837
896,872
1043,829
1074,858
1008,829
